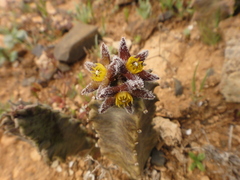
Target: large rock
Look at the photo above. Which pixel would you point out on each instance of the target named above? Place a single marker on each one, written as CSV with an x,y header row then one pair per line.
x,y
230,82
213,10
71,47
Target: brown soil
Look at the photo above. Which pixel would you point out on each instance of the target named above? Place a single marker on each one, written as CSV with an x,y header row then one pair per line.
x,y
171,56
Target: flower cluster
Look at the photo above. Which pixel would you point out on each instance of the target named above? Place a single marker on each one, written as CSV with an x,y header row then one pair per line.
x,y
120,79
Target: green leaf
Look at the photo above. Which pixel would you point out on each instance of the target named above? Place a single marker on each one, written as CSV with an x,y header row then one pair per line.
x,y
203,82
21,35
193,156
9,41
201,156
200,166
144,8
192,166
194,80
2,59
13,56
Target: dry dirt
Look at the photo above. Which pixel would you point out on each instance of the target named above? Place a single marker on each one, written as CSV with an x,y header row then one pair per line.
x,y
212,120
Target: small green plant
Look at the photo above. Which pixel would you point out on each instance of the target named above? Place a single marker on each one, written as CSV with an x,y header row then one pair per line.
x,y
176,6
197,161
126,14
41,8
180,8
11,38
195,93
144,9
208,25
84,12
7,55
14,37
209,35
167,4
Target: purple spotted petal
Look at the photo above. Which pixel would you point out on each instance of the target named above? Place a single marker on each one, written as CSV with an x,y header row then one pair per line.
x,y
143,93
107,103
142,55
146,76
105,54
123,51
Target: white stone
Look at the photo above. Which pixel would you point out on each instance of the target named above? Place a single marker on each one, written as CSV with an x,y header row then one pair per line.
x,y
188,132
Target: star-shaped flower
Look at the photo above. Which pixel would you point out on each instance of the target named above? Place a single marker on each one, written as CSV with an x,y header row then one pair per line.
x,y
102,73
134,64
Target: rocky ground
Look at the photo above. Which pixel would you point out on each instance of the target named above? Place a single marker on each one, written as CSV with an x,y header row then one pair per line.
x,y
198,92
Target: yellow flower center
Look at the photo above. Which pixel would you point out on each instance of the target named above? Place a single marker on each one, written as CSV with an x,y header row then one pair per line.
x,y
123,99
99,72
134,65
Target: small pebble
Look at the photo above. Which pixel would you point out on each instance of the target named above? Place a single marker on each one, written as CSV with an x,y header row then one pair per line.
x,y
55,164
189,132
158,158
178,88
71,172
70,164
59,169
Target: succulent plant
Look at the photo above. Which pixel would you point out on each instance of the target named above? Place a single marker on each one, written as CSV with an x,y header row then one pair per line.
x,y
127,139
125,136
55,135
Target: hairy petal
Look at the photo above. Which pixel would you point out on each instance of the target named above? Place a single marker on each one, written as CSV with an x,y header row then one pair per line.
x,y
103,85
146,76
115,66
135,84
143,93
111,91
90,87
130,76
105,54
142,55
123,51
107,103
89,65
